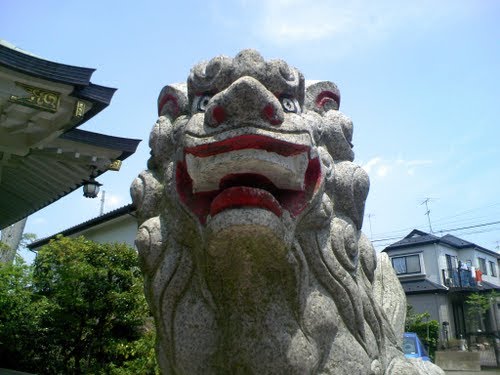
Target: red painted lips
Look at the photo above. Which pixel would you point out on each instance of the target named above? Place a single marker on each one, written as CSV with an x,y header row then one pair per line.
x,y
238,190
243,196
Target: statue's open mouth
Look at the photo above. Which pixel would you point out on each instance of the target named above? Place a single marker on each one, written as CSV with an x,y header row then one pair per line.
x,y
249,170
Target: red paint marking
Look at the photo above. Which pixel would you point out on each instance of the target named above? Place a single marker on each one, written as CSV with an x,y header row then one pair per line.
x,y
269,114
175,105
325,96
296,201
248,141
218,114
242,196
211,202
198,203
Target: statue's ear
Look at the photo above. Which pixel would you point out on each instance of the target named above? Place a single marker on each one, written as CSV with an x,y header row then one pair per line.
x,y
322,96
351,188
173,101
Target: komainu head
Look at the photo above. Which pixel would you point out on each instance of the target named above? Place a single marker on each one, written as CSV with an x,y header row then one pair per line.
x,y
250,236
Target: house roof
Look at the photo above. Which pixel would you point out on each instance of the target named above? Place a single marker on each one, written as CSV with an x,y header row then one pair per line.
x,y
125,210
422,286
417,237
486,286
28,65
427,286
43,156
126,146
34,181
455,241
23,61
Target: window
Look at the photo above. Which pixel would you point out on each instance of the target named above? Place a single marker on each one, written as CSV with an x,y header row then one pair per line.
x,y
451,262
482,265
493,269
406,264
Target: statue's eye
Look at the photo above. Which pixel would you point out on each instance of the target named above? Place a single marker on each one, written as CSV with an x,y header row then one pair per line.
x,y
203,102
289,104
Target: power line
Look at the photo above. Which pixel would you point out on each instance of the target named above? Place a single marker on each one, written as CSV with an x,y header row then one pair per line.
x,y
452,220
482,208
471,220
444,230
469,227
386,239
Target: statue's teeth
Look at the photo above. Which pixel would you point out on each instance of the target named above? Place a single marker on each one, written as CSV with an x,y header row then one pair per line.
x,y
284,172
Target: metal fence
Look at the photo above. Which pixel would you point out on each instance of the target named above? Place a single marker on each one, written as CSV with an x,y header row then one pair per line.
x,y
488,346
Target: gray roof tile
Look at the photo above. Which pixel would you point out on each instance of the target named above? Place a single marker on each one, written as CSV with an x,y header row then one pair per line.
x,y
422,286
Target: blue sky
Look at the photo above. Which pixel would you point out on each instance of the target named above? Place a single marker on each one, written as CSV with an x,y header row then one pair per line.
x,y
421,81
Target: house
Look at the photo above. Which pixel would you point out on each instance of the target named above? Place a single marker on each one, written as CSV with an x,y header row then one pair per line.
x,y
119,225
439,273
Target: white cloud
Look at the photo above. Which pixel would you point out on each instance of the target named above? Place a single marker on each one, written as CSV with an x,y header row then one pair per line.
x,y
371,164
288,22
383,170
382,167
347,23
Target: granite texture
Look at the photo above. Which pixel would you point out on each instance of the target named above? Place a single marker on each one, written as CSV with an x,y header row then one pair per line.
x,y
250,235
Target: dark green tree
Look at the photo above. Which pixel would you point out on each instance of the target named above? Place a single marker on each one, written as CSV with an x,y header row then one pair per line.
x,y
20,315
94,318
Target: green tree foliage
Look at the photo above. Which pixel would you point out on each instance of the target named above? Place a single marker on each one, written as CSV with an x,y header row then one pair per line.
x,y
427,330
20,314
477,306
94,318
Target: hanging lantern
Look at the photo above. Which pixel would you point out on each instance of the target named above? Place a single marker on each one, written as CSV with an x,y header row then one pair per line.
x,y
91,187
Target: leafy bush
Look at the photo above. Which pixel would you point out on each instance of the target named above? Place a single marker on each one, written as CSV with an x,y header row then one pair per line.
x,y
81,309
427,330
20,315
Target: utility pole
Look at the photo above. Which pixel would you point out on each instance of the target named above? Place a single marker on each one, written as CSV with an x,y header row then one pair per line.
x,y
428,212
11,238
103,195
370,222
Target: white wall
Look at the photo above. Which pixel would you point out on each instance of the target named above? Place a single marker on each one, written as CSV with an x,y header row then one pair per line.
x,y
433,264
121,229
489,258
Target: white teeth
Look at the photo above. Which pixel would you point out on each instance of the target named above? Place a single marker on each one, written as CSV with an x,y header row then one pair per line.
x,y
284,172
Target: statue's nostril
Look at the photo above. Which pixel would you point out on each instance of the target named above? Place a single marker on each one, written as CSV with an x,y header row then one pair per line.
x,y
270,114
218,114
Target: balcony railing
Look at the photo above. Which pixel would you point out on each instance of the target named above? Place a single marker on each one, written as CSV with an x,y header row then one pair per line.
x,y
458,278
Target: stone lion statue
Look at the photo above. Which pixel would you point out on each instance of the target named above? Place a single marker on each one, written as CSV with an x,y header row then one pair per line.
x,y
250,237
